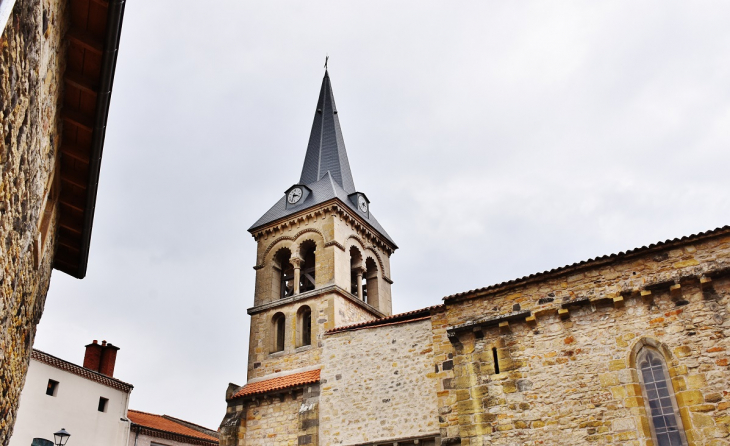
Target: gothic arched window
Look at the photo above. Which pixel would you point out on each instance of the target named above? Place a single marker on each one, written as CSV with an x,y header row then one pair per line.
x,y
666,425
278,325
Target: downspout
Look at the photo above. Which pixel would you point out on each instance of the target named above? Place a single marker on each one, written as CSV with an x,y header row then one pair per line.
x,y
136,435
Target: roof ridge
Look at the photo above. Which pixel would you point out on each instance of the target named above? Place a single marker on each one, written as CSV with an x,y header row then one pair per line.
x,y
171,418
592,260
283,382
399,317
79,368
177,421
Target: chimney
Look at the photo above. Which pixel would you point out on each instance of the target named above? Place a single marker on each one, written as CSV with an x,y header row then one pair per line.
x,y
92,358
108,359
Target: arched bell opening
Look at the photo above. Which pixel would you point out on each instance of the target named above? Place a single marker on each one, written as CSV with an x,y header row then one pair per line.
x,y
283,280
370,293
357,285
308,270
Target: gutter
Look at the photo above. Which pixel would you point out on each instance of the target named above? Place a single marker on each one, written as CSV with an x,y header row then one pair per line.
x,y
115,14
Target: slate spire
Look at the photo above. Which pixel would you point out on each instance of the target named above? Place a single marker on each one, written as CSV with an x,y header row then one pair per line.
x,y
326,150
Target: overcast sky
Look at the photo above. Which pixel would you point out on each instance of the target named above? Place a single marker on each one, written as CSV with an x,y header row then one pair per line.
x,y
495,140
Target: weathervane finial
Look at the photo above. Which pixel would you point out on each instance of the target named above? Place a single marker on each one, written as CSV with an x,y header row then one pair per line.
x,y
326,59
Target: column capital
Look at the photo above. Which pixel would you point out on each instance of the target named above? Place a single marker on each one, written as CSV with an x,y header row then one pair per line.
x,y
296,262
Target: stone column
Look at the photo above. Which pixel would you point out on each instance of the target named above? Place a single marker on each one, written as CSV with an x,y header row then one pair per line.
x,y
297,264
359,271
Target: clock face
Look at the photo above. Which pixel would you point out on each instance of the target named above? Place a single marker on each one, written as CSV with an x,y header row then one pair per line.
x,y
294,195
362,204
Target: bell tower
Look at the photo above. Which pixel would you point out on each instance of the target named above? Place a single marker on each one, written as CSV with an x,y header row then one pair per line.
x,y
322,259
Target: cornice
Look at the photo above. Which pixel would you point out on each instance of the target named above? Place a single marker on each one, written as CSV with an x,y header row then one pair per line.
x,y
334,206
312,294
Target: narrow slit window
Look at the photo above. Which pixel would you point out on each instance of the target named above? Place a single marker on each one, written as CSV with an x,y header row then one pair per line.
x,y
307,326
103,403
52,388
496,359
278,332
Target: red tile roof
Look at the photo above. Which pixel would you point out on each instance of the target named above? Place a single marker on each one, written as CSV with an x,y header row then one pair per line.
x,y
163,424
591,263
408,316
80,371
281,382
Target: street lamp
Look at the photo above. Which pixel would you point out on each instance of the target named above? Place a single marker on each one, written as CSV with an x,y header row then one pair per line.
x,y
61,437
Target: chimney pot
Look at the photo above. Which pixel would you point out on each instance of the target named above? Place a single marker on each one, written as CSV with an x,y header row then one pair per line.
x,y
103,343
95,342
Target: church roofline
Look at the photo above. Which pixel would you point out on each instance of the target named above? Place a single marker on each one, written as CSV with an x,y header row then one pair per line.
x,y
325,206
325,173
587,264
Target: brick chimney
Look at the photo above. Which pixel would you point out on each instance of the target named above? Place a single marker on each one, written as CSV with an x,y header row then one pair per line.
x,y
92,358
101,358
108,359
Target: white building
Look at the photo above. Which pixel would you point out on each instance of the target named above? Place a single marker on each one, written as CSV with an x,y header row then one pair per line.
x,y
86,401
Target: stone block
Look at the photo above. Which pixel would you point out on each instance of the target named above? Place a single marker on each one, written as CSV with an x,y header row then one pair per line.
x,y
690,398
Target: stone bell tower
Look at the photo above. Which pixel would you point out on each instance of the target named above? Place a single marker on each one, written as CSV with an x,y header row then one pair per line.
x,y
322,259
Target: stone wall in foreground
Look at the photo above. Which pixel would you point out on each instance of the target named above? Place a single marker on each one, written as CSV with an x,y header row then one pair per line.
x,y
31,67
567,369
378,383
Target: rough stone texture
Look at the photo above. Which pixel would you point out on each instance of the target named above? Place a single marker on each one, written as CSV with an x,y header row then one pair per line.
x,y
565,343
31,67
287,418
333,232
573,379
378,383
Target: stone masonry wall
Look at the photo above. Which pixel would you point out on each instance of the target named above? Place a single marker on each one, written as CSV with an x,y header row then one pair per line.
x,y
288,418
377,384
329,310
262,361
569,376
31,68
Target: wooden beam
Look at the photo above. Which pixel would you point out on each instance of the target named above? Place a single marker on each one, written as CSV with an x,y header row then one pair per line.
x,y
76,180
81,82
75,151
85,40
78,118
74,202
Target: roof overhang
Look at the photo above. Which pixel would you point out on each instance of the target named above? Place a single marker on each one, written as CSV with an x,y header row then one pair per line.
x,y
331,205
91,56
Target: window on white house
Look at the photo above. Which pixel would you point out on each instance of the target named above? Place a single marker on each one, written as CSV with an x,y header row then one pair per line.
x,y
52,388
102,404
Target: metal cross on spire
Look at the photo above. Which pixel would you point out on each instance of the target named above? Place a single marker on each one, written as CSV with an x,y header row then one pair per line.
x,y
326,59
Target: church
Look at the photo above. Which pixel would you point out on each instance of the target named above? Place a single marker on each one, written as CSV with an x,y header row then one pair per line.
x,y
628,348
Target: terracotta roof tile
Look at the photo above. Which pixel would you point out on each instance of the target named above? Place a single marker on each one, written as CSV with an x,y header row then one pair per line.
x,y
408,316
163,424
591,262
281,382
80,371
